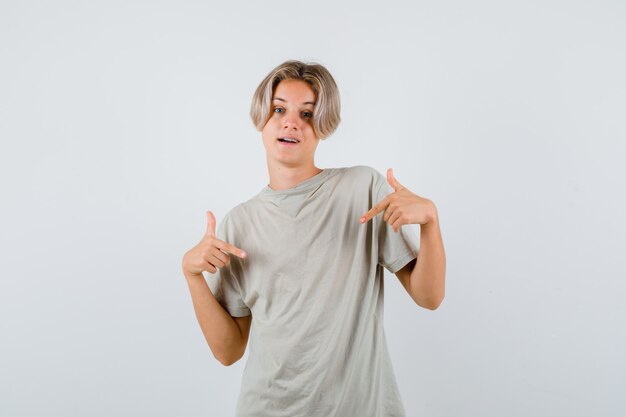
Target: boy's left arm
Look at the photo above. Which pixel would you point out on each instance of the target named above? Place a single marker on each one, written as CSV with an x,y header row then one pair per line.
x,y
424,277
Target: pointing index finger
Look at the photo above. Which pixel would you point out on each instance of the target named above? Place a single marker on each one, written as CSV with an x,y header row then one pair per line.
x,y
227,247
375,210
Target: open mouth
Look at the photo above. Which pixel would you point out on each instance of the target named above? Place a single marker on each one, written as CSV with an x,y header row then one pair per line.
x,y
288,140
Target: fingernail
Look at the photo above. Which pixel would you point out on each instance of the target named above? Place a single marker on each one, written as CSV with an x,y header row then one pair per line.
x,y
243,254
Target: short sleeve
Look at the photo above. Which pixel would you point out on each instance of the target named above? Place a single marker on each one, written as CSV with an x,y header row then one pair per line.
x,y
223,283
395,249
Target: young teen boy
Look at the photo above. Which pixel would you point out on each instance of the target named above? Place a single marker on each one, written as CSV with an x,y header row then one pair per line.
x,y
298,268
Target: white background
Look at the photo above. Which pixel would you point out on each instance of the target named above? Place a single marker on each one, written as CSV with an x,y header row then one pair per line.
x,y
122,122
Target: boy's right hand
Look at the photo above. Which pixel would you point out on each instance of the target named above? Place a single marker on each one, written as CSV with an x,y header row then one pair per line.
x,y
211,253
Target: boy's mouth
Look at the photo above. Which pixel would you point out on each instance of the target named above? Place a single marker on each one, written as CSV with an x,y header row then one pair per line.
x,y
287,139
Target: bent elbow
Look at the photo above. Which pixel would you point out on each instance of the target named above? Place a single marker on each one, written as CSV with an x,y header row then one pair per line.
x,y
227,361
432,303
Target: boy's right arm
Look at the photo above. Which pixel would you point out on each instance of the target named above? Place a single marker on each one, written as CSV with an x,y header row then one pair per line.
x,y
227,336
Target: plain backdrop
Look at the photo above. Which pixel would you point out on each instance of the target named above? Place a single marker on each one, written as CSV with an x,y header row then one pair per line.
x,y
122,122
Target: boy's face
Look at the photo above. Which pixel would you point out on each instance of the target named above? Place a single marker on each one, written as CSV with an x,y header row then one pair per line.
x,y
291,117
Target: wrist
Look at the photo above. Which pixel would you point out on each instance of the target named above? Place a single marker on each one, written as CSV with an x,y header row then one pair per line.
x,y
192,276
433,216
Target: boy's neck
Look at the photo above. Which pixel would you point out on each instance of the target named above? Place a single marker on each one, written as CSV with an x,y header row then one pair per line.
x,y
282,178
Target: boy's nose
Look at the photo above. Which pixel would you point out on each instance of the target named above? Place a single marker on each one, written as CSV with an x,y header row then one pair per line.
x,y
290,124
291,121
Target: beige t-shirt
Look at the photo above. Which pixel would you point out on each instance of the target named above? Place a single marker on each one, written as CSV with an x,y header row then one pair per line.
x,y
313,282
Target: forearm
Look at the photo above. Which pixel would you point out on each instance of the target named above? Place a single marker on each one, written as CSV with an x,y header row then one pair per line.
x,y
219,328
427,283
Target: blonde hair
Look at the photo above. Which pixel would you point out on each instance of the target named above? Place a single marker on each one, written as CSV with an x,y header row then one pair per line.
x,y
326,113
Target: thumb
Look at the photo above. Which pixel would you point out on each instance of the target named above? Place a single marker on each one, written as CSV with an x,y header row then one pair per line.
x,y
210,229
393,181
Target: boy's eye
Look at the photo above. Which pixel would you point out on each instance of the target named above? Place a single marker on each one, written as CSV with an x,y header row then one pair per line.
x,y
306,114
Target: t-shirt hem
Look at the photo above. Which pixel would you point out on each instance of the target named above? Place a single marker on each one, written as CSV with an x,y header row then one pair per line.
x,y
238,311
401,262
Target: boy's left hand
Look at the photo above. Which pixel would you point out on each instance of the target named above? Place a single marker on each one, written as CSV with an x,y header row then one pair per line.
x,y
402,207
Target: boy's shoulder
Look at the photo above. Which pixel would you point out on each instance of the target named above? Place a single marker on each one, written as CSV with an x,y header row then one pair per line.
x,y
364,173
240,210
354,171
364,170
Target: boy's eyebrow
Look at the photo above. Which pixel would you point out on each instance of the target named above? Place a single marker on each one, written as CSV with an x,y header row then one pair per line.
x,y
282,99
